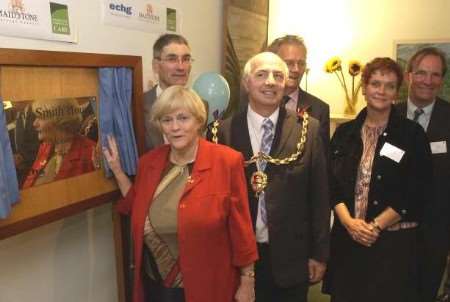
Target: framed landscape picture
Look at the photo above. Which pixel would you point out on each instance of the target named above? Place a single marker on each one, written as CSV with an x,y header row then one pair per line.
x,y
403,50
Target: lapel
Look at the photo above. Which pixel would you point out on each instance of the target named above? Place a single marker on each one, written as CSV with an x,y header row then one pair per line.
x,y
156,137
153,172
285,125
202,165
436,119
240,138
303,101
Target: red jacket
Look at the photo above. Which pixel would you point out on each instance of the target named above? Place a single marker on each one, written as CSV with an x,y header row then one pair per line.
x,y
77,161
215,234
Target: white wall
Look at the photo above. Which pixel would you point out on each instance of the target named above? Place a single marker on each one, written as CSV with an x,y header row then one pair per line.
x,y
73,259
201,25
354,29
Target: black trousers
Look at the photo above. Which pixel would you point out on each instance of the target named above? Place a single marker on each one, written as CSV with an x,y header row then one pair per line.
x,y
155,292
265,288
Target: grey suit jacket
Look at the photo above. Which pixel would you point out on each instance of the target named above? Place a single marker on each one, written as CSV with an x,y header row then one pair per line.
x,y
297,197
437,211
153,136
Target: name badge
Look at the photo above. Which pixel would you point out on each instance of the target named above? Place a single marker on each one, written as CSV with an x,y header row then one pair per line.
x,y
438,147
392,152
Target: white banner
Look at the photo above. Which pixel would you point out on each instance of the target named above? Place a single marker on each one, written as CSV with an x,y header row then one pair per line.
x,y
141,15
38,19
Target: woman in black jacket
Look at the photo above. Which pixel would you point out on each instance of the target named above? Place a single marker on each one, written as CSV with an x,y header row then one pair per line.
x,y
380,179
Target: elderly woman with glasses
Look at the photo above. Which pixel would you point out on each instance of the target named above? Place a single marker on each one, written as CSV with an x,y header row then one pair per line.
x,y
380,181
192,233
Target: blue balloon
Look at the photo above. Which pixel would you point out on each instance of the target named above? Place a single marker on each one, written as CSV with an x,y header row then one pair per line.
x,y
214,89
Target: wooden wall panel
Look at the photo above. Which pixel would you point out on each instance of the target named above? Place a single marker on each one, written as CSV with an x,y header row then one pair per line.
x,y
28,83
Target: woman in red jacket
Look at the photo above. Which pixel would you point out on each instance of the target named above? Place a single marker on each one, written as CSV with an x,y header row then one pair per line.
x,y
192,233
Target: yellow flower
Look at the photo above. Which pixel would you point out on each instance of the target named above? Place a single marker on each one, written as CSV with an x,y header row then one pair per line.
x,y
354,68
333,64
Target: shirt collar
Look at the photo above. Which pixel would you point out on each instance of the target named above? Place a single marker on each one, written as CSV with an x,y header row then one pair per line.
x,y
294,94
158,90
257,119
426,110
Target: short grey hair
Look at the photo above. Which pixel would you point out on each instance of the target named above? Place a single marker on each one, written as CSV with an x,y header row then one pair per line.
x,y
287,40
249,66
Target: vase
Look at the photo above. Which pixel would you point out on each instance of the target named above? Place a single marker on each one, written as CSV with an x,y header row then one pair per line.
x,y
350,107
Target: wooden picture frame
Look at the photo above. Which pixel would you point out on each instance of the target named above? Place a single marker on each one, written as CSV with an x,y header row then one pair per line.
x,y
56,200
404,49
245,32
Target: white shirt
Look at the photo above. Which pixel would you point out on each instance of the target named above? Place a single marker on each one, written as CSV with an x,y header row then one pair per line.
x,y
424,118
158,91
255,130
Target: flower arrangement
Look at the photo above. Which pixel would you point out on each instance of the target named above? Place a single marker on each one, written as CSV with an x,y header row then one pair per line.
x,y
334,65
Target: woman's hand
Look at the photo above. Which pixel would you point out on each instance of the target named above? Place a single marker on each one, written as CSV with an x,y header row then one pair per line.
x,y
112,157
111,154
246,290
362,232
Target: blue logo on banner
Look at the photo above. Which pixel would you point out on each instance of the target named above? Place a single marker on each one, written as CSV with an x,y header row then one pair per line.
x,y
121,8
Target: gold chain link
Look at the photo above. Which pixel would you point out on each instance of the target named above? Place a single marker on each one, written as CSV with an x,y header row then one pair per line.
x,y
276,161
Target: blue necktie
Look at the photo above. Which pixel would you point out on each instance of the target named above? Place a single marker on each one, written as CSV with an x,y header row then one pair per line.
x,y
266,144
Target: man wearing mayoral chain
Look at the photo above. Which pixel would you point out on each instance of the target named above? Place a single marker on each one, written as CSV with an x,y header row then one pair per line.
x,y
288,183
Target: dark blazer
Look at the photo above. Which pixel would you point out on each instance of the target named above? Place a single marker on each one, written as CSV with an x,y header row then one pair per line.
x,y
214,230
436,225
153,137
296,197
438,130
320,111
403,186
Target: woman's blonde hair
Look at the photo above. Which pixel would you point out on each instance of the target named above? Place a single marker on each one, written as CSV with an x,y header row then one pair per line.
x,y
178,97
65,114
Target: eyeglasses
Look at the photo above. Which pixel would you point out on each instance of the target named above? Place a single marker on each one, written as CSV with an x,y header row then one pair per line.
x,y
180,119
422,74
185,60
299,63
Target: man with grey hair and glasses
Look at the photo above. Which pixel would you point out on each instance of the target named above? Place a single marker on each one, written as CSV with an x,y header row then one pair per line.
x,y
292,50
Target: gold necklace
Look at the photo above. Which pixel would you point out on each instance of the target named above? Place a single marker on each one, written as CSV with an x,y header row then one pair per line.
x,y
259,179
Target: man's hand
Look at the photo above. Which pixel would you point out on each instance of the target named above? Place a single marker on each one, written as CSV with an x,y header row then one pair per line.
x,y
316,270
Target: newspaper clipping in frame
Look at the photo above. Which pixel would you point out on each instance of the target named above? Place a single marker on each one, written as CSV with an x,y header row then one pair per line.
x,y
52,139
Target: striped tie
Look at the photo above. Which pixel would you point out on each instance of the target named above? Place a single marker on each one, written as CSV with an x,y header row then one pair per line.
x,y
417,113
266,143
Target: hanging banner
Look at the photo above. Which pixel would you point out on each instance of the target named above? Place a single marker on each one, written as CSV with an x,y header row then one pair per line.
x,y
38,19
141,15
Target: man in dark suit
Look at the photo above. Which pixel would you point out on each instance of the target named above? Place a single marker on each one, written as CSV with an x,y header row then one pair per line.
x,y
293,51
172,65
424,74
291,214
